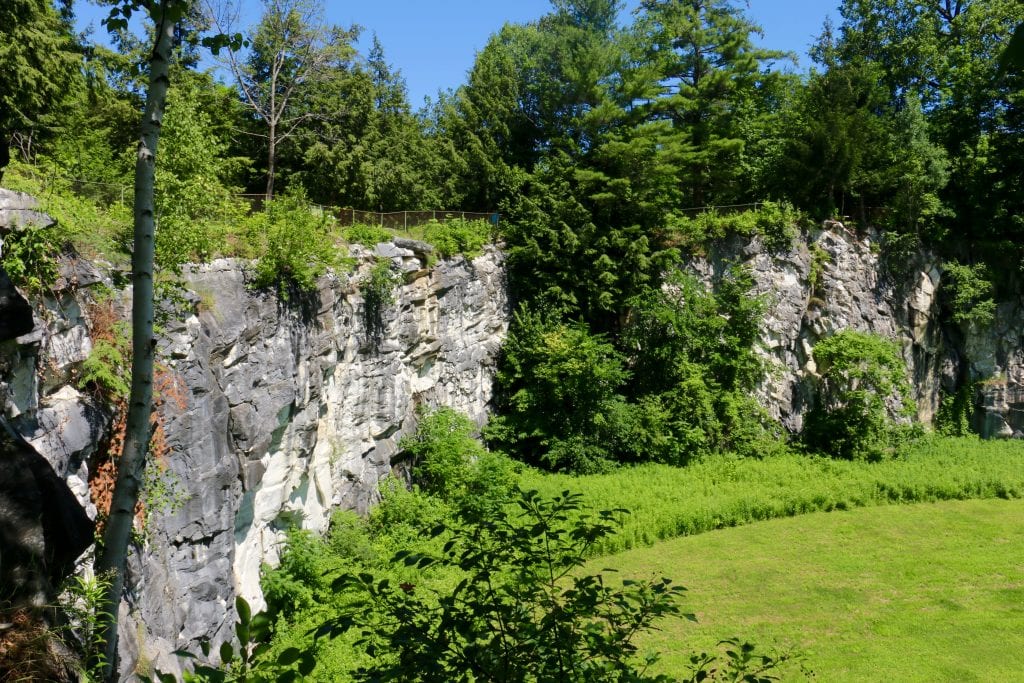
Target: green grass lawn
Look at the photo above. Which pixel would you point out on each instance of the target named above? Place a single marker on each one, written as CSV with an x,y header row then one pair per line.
x,y
927,592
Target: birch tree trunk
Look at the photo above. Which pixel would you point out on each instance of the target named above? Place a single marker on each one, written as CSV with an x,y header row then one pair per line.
x,y
113,553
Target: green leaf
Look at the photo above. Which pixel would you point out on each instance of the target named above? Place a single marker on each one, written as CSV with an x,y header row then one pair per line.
x,y
307,664
244,612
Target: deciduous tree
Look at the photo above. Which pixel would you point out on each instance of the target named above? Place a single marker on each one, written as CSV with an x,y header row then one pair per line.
x,y
291,51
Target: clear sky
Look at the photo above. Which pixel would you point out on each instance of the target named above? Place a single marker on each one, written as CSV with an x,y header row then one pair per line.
x,y
433,43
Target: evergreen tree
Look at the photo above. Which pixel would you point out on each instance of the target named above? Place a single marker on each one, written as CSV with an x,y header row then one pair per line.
x,y
704,64
39,62
946,55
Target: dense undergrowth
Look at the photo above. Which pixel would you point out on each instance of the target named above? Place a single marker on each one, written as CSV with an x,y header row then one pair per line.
x,y
292,241
459,480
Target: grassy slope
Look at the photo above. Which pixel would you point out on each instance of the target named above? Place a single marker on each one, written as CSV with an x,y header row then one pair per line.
x,y
931,592
667,502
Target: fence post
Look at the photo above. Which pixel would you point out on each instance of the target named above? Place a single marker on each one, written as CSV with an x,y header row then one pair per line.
x,y
405,221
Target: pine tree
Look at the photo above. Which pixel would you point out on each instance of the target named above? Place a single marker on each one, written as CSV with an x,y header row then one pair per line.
x,y
703,63
39,61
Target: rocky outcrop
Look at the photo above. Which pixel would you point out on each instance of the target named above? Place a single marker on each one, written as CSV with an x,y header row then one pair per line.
x,y
43,527
834,279
273,413
278,412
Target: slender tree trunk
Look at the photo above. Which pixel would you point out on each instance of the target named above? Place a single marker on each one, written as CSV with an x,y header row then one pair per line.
x,y
5,151
271,159
113,553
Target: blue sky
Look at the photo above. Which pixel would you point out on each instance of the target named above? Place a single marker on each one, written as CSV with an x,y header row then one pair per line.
x,y
433,43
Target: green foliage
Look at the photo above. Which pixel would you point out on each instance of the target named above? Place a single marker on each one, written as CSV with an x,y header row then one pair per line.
x,y
570,400
1012,57
819,258
290,586
367,235
96,229
701,62
559,394
694,366
106,370
522,611
80,603
899,254
725,490
777,223
162,493
969,290
447,462
458,236
295,246
465,482
196,208
29,257
377,288
947,59
859,374
39,64
956,412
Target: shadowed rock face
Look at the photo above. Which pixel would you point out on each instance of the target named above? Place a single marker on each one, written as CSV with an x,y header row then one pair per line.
x,y
15,312
43,529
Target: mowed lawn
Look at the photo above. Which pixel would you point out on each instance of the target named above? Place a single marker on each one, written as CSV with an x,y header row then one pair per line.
x,y
924,592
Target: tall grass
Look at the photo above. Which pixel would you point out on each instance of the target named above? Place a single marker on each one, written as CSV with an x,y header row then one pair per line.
x,y
724,491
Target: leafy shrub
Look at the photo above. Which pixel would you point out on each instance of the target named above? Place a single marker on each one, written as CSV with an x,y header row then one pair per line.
x,y
859,373
522,611
558,394
290,587
367,235
819,258
458,236
29,257
196,209
776,223
105,368
956,412
450,464
295,246
404,516
969,293
694,366
95,229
